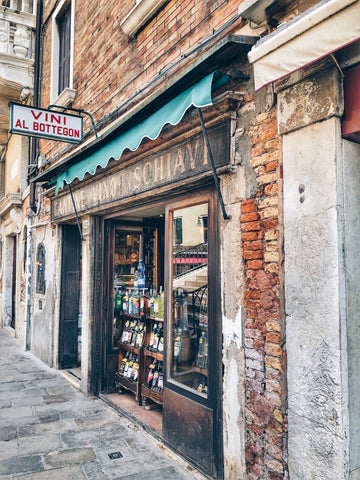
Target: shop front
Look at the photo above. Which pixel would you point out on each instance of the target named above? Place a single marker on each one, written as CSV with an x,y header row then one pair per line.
x,y
161,329
149,277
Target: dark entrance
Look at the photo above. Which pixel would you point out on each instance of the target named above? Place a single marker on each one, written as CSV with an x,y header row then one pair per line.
x,y
70,295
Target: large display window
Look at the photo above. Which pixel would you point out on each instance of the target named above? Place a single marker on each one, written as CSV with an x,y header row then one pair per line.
x,y
188,320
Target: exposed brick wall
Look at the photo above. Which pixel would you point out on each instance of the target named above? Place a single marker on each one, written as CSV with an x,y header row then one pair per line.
x,y
265,356
109,66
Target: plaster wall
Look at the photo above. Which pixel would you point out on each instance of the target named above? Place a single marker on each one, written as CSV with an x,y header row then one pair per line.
x,y
351,152
16,164
314,303
44,305
7,279
87,288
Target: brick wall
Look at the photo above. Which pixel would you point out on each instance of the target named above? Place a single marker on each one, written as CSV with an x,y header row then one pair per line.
x,y
266,448
109,66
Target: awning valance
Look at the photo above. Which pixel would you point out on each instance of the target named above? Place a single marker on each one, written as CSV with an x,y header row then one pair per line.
x,y
317,33
199,95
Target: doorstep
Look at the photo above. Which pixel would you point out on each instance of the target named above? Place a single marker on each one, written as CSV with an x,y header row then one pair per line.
x,y
129,413
73,376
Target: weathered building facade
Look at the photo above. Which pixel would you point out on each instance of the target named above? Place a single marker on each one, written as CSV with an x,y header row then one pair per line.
x,y
221,149
17,42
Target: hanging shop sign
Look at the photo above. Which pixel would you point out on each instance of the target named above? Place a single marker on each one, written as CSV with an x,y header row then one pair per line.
x,y
38,122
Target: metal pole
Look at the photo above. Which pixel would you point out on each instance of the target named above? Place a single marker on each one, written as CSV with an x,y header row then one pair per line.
x,y
216,178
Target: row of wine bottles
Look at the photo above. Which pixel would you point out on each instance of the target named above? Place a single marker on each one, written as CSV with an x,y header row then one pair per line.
x,y
139,302
155,376
133,333
129,367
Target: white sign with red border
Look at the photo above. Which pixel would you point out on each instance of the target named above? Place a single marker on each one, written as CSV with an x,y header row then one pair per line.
x,y
50,124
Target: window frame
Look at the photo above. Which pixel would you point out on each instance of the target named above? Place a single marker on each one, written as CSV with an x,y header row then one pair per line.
x,y
67,95
214,326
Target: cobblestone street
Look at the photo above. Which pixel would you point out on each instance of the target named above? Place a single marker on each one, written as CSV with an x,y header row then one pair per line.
x,y
50,430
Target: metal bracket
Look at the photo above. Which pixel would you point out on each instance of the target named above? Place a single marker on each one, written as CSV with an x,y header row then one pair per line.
x,y
216,178
76,214
78,110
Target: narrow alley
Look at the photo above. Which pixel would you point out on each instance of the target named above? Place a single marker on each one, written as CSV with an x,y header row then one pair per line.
x,y
50,430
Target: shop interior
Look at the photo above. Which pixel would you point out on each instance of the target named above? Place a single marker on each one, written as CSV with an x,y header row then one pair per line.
x,y
146,338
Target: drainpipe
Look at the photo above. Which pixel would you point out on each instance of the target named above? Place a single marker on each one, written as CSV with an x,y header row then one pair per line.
x,y
32,161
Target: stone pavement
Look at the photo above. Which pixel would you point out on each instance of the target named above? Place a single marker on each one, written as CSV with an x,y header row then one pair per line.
x,y
51,431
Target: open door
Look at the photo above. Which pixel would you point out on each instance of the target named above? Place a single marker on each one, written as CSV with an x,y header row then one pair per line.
x,y
70,295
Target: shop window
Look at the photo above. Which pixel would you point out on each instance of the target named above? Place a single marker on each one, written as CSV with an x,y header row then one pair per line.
x,y
40,269
178,231
62,92
141,14
190,355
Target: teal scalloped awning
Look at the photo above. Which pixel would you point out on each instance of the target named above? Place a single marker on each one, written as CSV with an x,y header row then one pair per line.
x,y
199,95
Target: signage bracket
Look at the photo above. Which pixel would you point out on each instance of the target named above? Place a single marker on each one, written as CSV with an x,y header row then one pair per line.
x,y
216,178
78,110
76,214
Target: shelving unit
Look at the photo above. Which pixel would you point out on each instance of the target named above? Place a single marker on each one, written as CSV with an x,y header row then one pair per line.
x,y
122,381
149,358
145,358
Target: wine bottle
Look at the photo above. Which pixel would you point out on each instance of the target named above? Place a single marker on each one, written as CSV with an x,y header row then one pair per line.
x,y
150,375
161,341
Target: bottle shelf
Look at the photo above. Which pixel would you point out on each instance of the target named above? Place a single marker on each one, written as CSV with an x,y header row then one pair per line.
x,y
153,395
141,316
128,384
129,348
156,355
203,371
155,319
203,328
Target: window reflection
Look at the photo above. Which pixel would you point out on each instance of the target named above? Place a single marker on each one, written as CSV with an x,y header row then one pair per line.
x,y
189,364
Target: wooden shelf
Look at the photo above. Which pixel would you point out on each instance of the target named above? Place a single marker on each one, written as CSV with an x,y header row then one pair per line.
x,y
129,348
202,327
155,319
141,316
155,396
203,371
156,355
128,384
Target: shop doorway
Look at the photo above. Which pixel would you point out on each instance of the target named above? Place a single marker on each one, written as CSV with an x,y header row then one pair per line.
x,y
162,339
70,317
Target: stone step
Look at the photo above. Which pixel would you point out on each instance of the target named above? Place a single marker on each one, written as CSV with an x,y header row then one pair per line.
x,y
194,283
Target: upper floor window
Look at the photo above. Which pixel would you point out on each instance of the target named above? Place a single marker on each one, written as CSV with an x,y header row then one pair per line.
x,y
140,15
64,26
62,92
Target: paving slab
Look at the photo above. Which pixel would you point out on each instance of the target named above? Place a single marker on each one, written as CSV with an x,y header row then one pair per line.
x,y
49,430
15,465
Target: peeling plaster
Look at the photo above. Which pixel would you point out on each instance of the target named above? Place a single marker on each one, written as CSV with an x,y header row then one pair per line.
x,y
233,329
234,419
